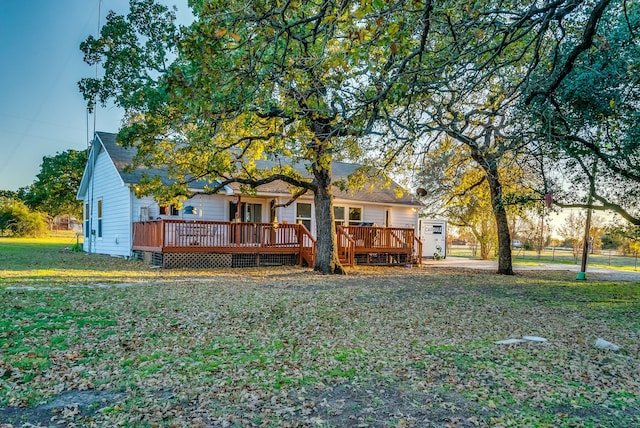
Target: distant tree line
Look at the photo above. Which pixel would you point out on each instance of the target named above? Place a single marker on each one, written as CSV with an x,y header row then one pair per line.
x,y
30,210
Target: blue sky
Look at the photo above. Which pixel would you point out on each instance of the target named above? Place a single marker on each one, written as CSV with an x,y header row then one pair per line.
x,y
41,110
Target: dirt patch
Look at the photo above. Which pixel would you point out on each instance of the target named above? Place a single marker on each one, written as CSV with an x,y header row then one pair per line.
x,y
77,407
384,404
363,404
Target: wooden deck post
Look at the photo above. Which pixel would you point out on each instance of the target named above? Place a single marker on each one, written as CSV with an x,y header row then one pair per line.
x,y
299,233
163,234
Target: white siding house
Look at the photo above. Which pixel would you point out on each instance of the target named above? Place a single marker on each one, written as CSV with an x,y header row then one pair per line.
x,y
107,207
111,207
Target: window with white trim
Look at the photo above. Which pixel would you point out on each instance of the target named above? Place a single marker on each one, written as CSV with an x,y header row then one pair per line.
x,y
338,216
99,218
355,216
144,214
303,214
86,220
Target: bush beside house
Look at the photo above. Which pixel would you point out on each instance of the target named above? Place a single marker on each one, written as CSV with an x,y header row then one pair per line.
x,y
17,220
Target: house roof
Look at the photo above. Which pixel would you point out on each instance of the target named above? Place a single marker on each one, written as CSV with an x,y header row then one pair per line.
x,y
122,157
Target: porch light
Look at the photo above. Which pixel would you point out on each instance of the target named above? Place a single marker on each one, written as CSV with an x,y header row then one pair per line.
x,y
274,223
189,209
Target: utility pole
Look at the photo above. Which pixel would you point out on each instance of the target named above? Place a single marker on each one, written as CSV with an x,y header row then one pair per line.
x,y
585,245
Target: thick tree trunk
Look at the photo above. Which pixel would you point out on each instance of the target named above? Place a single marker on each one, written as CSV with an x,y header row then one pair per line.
x,y
505,266
327,261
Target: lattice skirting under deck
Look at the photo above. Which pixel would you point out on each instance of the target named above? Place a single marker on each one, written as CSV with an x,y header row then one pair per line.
x,y
382,259
215,260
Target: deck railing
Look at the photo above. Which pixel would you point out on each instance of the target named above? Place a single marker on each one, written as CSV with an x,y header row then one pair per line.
x,y
380,238
168,236
417,250
202,236
369,239
307,246
346,246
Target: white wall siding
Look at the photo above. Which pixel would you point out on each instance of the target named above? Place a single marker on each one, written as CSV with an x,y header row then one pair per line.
x,y
215,208
403,217
374,214
143,205
208,207
116,210
288,214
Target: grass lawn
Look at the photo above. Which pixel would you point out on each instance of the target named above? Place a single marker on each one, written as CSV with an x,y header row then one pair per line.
x,y
99,341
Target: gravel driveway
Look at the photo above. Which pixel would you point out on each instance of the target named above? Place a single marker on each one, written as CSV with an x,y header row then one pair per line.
x,y
592,272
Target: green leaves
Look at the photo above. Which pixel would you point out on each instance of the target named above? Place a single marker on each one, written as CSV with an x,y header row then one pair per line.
x,y
56,185
16,219
591,116
133,51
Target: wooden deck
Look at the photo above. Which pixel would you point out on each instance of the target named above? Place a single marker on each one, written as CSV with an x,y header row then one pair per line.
x,y
356,244
183,236
378,245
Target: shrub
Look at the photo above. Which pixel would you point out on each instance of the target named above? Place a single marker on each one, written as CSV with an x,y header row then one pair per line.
x,y
16,219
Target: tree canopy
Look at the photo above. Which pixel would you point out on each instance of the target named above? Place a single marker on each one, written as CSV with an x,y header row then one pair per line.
x,y
507,57
286,82
54,190
589,122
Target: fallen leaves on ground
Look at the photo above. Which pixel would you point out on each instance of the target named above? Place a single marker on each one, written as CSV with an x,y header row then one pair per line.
x,y
287,347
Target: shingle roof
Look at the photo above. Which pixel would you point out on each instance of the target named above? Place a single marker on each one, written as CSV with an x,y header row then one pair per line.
x,y
122,157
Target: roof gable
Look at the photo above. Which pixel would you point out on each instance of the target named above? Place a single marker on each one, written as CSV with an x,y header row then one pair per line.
x,y
97,147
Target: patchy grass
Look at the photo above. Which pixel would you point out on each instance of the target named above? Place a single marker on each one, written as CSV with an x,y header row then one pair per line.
x,y
122,344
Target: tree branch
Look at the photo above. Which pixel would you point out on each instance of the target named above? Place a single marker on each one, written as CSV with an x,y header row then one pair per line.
x,y
585,43
259,182
293,198
606,206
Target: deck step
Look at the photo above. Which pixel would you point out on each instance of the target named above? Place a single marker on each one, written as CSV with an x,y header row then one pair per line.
x,y
344,261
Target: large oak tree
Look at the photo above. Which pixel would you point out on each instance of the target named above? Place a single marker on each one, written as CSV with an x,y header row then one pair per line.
x,y
287,82
496,50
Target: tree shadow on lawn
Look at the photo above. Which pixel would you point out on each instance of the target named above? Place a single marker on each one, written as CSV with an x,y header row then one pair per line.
x,y
69,407
382,405
371,405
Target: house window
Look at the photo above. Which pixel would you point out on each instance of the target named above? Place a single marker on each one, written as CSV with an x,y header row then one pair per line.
x,y
144,214
247,212
355,216
253,213
437,229
303,214
86,220
99,218
169,210
338,215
